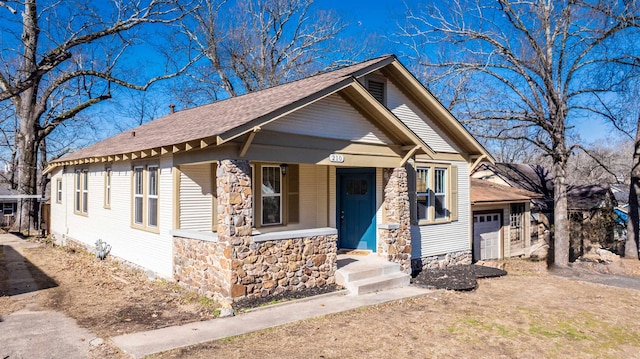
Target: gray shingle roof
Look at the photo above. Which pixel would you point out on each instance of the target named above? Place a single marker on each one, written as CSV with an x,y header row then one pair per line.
x,y
219,117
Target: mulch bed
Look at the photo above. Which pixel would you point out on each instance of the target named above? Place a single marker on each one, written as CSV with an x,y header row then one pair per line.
x,y
254,302
462,277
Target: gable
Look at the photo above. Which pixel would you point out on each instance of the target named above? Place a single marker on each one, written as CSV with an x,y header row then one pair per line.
x,y
418,121
331,117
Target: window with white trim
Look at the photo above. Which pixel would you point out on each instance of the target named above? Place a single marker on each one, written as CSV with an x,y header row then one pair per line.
x,y
436,193
152,196
59,190
440,193
107,188
422,193
138,195
81,195
271,191
145,197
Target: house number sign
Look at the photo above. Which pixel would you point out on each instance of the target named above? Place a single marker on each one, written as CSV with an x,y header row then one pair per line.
x,y
336,158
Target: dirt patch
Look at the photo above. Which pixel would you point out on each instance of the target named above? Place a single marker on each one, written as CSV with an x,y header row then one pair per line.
x,y
526,314
108,298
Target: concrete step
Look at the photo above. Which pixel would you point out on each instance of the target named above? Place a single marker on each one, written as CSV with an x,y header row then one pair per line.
x,y
374,284
365,271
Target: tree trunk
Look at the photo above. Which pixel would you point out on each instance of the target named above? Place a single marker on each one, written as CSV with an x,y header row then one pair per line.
x,y
631,244
560,217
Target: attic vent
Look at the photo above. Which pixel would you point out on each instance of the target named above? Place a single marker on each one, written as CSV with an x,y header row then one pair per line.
x,y
376,88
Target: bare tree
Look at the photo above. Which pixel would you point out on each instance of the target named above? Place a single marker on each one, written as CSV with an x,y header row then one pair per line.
x,y
633,230
256,44
62,58
544,60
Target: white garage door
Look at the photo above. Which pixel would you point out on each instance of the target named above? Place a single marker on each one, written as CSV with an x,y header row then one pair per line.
x,y
486,236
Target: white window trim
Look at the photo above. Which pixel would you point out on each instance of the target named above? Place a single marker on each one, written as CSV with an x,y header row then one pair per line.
x,y
265,195
432,167
445,178
152,196
138,170
424,194
107,187
59,190
145,197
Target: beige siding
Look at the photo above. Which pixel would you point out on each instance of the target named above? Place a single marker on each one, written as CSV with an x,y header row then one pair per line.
x,y
331,117
143,248
437,239
417,121
196,199
313,197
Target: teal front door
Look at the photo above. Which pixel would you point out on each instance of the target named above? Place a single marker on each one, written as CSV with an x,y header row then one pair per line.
x,y
356,208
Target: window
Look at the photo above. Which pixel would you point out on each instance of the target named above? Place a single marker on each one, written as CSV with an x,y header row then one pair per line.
x,y
81,197
440,195
152,197
59,190
422,193
436,193
107,188
138,195
271,195
276,202
145,197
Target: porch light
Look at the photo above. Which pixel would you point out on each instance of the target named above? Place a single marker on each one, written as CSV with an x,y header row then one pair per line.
x,y
283,168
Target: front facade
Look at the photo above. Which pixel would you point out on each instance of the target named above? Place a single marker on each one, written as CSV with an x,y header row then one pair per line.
x,y
255,195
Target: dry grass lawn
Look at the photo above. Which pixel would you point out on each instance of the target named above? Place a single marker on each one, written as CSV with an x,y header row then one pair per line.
x,y
527,314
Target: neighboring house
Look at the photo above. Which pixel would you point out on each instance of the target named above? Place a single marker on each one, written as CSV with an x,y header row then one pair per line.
x,y
590,207
9,199
256,194
501,220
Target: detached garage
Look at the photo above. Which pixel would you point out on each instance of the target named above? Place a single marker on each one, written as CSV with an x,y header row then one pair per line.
x,y
500,220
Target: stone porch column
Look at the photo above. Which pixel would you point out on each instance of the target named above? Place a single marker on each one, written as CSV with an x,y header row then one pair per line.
x,y
235,217
395,239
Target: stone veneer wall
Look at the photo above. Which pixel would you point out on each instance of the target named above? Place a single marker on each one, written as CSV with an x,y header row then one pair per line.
x,y
275,266
201,266
442,261
259,270
395,243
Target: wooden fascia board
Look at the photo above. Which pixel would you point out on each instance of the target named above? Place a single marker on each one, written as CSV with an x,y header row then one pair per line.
x,y
283,111
383,117
450,125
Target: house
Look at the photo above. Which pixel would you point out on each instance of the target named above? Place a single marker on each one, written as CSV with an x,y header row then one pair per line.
x,y
590,207
255,195
501,225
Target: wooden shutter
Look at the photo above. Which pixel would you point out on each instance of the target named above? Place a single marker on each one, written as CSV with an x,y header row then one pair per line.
x,y
453,193
293,194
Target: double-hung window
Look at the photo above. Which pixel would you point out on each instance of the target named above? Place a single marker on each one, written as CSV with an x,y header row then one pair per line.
x,y
145,197
277,198
81,195
152,196
423,196
138,195
440,193
59,190
271,195
107,188
436,193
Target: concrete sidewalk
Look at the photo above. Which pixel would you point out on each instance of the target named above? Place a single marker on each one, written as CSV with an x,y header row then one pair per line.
x,y
141,344
32,332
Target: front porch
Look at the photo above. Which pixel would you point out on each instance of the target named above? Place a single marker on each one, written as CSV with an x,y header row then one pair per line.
x,y
232,249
